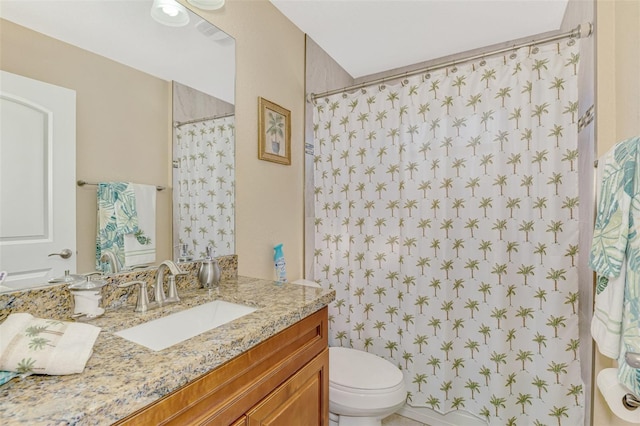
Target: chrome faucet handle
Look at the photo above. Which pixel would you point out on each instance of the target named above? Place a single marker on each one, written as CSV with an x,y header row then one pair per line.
x,y
158,288
142,305
158,291
90,274
173,291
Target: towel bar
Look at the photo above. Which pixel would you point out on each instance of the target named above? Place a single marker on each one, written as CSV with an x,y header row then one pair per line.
x,y
83,183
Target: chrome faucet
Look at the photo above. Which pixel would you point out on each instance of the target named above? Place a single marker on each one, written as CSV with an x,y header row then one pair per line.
x,y
158,290
142,303
110,258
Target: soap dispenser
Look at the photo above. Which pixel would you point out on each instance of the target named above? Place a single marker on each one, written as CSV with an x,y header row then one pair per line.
x,y
184,254
209,272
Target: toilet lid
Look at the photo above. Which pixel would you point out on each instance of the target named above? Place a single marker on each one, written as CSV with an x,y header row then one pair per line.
x,y
361,370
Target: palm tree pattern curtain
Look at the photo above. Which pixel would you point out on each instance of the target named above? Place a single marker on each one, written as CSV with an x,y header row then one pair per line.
x,y
205,185
446,220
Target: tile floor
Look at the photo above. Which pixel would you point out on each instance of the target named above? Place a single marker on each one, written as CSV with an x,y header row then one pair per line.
x,y
397,420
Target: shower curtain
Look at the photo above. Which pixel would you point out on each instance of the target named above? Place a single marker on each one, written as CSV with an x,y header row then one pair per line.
x,y
204,185
446,220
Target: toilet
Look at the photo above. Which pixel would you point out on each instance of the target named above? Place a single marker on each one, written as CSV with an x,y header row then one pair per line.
x,y
363,388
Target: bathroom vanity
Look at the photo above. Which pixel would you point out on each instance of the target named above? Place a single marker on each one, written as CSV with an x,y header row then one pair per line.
x,y
284,380
267,367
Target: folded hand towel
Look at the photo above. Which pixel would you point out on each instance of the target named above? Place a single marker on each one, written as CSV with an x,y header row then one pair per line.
x,y
32,345
140,246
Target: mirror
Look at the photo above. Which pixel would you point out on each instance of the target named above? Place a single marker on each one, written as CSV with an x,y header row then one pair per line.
x,y
203,174
114,36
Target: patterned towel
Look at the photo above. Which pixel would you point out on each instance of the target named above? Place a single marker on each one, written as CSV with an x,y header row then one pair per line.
x,y
117,216
6,376
30,345
606,324
615,257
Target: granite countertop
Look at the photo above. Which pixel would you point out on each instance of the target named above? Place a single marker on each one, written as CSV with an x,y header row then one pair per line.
x,y
122,377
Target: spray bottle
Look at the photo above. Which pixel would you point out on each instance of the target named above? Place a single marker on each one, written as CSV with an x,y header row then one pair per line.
x,y
278,258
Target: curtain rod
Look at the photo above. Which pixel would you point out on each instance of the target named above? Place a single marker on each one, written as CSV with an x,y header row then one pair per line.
x,y
177,124
83,183
581,31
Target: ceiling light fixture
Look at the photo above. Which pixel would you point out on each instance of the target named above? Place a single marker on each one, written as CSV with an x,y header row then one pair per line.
x,y
207,4
169,12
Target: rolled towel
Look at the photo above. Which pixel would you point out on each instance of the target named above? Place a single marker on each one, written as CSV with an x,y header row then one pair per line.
x,y
30,345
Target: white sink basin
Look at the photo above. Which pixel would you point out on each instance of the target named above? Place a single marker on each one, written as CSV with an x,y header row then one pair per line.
x,y
163,332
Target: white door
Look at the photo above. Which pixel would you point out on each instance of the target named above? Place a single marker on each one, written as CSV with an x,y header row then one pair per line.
x,y
37,181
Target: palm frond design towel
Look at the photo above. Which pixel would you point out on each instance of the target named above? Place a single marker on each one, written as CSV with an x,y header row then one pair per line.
x,y
615,257
30,345
607,257
117,216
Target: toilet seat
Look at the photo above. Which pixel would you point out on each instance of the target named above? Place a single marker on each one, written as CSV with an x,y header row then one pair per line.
x,y
362,372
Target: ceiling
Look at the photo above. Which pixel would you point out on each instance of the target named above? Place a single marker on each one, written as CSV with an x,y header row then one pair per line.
x,y
364,36
370,36
125,32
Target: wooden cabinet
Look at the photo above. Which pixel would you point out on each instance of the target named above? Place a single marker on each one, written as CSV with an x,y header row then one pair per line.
x,y
299,401
281,381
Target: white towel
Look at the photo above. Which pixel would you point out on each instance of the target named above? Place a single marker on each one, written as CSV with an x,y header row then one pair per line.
x,y
32,345
140,248
606,324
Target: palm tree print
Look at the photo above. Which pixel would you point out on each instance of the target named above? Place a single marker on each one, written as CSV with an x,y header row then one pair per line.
x,y
26,366
451,208
522,400
39,343
559,412
205,185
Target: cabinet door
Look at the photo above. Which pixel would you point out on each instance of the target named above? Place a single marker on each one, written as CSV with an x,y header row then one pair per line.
x,y
242,421
301,400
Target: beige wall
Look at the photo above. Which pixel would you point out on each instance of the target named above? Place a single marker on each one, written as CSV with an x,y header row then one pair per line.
x,y
618,62
269,196
617,110
123,124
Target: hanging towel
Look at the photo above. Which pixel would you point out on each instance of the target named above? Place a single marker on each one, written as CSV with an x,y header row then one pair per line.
x,y
30,345
615,257
606,324
140,246
117,216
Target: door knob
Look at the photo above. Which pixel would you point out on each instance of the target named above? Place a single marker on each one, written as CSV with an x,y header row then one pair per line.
x,y
65,254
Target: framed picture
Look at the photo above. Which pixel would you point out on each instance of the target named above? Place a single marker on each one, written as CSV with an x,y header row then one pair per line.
x,y
274,132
